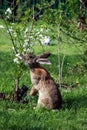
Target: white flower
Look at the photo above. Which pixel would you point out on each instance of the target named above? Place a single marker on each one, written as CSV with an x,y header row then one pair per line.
x,y
26,30
41,29
47,30
2,27
7,16
9,30
24,50
25,44
8,11
26,40
25,33
13,23
14,34
31,37
28,50
31,44
13,48
46,40
18,56
16,60
41,36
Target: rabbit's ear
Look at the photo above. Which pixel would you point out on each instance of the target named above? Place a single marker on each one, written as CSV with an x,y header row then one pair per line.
x,y
43,61
44,55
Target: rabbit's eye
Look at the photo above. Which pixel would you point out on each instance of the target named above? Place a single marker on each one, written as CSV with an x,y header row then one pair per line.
x,y
30,57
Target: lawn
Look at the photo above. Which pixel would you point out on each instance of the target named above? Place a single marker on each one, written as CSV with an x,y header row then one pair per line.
x,y
19,116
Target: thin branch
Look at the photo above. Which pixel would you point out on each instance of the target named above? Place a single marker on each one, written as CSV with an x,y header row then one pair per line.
x,y
83,2
9,33
62,66
59,64
43,8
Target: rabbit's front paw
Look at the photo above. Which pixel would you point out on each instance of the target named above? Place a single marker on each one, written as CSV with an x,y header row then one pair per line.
x,y
33,91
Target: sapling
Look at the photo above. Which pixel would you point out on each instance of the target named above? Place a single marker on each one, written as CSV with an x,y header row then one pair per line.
x,y
60,64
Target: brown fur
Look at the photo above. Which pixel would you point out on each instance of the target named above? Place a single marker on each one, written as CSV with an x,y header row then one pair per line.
x,y
43,83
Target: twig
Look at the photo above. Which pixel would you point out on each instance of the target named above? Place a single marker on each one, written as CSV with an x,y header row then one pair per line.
x,y
62,66
9,33
59,64
41,9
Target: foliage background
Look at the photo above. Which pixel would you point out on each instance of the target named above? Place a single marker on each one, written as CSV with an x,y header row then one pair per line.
x,y
73,115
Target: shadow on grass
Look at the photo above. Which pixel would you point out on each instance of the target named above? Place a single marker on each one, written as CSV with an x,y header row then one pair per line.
x,y
76,102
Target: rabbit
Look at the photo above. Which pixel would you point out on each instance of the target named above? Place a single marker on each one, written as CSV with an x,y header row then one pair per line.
x,y
49,94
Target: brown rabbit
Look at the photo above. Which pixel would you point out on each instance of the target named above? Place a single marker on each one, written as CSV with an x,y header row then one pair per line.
x,y
43,83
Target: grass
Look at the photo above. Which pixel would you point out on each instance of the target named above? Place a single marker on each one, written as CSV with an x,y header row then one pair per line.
x,y
18,116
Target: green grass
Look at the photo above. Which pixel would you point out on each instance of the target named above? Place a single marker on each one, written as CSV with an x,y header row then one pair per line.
x,y
18,116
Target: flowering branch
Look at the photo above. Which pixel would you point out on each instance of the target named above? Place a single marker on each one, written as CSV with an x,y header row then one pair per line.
x,y
23,38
